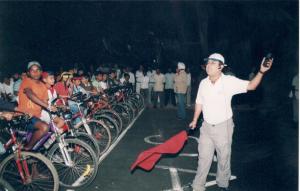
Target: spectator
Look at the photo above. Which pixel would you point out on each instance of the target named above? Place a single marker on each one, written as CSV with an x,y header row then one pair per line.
x,y
63,87
97,82
159,79
189,88
17,84
103,82
118,71
139,76
150,74
180,89
169,88
131,79
86,84
144,87
112,79
7,89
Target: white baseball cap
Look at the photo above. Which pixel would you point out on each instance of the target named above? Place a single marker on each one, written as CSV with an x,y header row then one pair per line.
x,y
180,66
216,57
30,64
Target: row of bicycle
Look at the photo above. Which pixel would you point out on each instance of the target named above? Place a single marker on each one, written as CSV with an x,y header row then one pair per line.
x,y
68,156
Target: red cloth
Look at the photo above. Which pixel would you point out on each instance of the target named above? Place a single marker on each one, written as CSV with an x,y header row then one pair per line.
x,y
147,159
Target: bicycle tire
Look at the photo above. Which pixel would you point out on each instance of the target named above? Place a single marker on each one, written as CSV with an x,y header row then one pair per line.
x,y
124,113
38,156
90,140
112,124
105,141
90,151
114,115
5,186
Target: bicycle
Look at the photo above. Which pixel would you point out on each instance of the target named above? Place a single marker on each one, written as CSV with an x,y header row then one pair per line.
x,y
24,169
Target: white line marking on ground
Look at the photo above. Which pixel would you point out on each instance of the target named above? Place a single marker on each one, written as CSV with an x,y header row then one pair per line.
x,y
188,155
119,138
182,170
175,179
116,142
147,140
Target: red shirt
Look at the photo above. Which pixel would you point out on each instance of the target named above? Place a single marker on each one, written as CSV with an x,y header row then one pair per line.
x,y
61,89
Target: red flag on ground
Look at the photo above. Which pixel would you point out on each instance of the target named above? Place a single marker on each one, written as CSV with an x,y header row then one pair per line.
x,y
147,159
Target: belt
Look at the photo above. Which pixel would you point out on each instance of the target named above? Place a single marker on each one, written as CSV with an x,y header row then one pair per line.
x,y
222,123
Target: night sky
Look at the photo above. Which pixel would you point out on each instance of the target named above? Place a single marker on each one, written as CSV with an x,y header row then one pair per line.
x,y
132,33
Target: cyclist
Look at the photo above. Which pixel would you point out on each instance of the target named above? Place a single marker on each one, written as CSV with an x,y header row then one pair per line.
x,y
48,79
32,97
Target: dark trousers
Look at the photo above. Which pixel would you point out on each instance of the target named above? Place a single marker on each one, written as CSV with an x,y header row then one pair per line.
x,y
169,97
159,95
144,93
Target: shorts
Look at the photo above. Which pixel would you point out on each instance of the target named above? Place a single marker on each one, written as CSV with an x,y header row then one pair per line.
x,y
31,125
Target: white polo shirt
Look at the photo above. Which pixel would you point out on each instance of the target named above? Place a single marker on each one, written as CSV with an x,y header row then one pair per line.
x,y
131,78
216,98
144,82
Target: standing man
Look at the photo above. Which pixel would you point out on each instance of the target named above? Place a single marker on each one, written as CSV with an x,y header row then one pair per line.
x,y
180,88
144,87
169,88
214,99
159,79
138,76
189,88
132,78
150,74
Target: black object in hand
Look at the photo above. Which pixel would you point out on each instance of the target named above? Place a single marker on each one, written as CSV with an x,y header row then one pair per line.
x,y
267,58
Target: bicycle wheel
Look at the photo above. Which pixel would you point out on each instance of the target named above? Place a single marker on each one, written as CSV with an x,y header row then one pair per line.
x,y
90,140
124,113
43,175
134,106
113,115
111,124
83,168
5,186
99,131
129,109
140,99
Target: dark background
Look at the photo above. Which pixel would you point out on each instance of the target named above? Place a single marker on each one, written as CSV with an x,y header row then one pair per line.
x,y
131,33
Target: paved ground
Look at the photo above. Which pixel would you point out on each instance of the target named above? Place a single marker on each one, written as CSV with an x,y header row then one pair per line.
x,y
264,156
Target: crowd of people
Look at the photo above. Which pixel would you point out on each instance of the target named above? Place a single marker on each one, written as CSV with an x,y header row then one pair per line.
x,y
159,90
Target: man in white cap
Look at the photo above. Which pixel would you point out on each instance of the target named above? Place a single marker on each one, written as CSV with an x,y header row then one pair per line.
x,y
180,87
214,100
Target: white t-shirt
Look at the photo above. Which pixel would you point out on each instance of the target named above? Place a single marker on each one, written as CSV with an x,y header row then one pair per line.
x,y
144,82
139,75
97,84
169,77
216,98
189,79
131,79
45,115
8,89
150,74
103,85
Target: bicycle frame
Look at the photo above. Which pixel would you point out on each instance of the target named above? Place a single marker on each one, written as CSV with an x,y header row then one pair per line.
x,y
58,138
20,162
